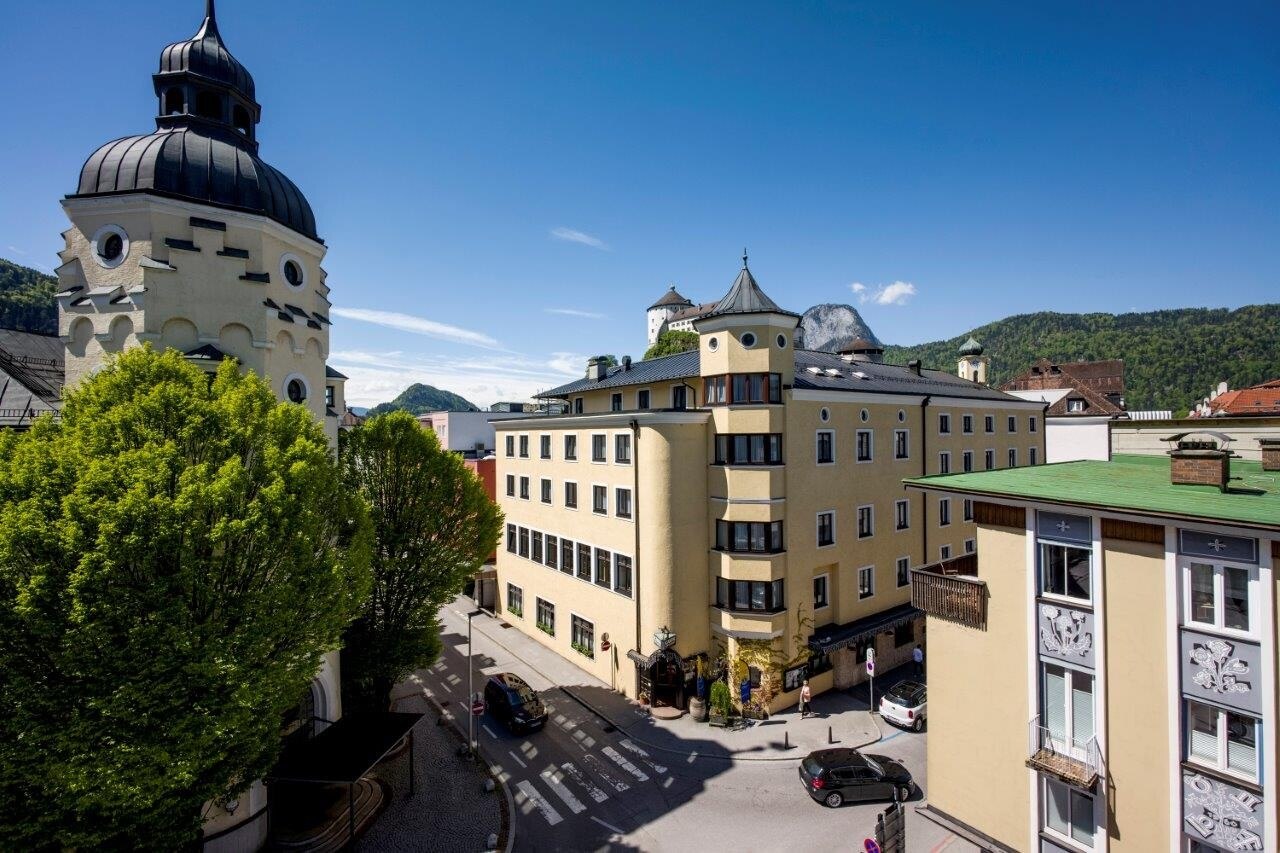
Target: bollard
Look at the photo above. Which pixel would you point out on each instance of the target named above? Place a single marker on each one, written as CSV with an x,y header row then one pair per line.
x,y
489,785
830,739
786,740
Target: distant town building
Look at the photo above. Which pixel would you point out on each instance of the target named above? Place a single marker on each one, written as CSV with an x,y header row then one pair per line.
x,y
468,433
1082,400
1256,401
1150,437
673,312
973,365
31,368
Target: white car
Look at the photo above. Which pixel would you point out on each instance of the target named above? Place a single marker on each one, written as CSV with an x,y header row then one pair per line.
x,y
904,705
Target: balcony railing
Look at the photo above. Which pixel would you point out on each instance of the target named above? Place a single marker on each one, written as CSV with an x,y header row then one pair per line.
x,y
1077,762
950,590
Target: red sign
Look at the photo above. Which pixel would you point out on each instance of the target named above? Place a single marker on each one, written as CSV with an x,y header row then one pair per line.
x,y
604,645
477,706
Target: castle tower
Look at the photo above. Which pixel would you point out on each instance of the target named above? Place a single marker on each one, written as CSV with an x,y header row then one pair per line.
x,y
186,238
973,365
662,310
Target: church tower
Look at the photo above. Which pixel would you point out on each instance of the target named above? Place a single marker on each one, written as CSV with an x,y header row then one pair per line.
x,y
973,364
186,238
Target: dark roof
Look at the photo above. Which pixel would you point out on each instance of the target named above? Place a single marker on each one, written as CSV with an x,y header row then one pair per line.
x,y
205,54
34,361
346,750
746,297
858,344
693,312
671,297
885,378
681,365
333,374
1099,383
208,352
831,637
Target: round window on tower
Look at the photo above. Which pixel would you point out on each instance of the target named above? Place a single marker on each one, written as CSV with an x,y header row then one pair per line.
x,y
902,415
782,341
824,414
293,271
748,339
713,344
110,246
865,415
295,389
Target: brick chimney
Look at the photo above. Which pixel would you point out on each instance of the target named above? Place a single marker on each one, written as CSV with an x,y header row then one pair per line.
x,y
1195,462
1270,453
597,368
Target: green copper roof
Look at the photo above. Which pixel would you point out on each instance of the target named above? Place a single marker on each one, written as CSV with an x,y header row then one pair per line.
x,y
971,347
1138,484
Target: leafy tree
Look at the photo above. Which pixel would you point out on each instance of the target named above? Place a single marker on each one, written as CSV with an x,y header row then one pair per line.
x,y
609,360
172,569
671,342
26,299
433,525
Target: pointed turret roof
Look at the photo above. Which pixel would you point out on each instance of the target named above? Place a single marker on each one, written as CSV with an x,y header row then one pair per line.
x,y
671,297
746,297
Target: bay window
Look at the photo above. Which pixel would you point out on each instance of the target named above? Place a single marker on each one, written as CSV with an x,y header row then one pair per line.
x,y
752,596
749,449
749,536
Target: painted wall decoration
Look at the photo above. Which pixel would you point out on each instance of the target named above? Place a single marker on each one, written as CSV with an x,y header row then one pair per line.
x,y
1221,814
1066,634
1064,528
1221,671
1217,547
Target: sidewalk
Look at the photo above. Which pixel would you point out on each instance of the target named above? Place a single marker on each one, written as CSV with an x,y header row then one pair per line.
x,y
782,737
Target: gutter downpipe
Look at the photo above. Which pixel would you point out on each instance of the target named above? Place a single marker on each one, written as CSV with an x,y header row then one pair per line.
x,y
635,521
924,472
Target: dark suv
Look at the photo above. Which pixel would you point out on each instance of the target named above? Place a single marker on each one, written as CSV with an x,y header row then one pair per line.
x,y
510,700
834,776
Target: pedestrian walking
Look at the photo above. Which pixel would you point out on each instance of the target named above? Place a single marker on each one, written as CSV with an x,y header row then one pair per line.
x,y
917,655
804,700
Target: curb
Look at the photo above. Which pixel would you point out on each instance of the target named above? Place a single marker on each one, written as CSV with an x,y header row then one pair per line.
x,y
509,813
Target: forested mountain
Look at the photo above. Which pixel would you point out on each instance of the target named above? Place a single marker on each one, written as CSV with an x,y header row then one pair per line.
x,y
1171,358
419,399
26,299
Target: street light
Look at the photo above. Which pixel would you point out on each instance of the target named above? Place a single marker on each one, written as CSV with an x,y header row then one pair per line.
x,y
471,716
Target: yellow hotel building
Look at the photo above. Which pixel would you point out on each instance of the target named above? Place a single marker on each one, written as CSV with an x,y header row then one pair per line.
x,y
745,491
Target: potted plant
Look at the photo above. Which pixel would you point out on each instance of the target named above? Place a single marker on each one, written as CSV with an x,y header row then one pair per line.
x,y
719,704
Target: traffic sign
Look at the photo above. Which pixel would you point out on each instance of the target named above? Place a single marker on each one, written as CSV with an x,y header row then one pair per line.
x,y
870,846
477,706
871,661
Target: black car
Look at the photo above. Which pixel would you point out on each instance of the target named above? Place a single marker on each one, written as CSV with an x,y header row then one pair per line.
x,y
512,702
835,776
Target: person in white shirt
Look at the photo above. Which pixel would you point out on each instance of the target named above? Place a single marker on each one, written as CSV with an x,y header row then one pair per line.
x,y
804,699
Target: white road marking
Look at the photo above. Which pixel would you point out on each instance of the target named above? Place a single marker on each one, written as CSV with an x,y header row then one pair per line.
x,y
628,745
516,758
488,731
593,791
607,826
531,795
626,765
598,766
552,777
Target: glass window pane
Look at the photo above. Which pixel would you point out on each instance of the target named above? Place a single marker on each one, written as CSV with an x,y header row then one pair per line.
x,y
757,595
1056,808
740,536
1077,572
1054,712
1202,609
1235,598
757,449
1082,817
1053,569
1081,709
740,592
1202,731
757,536
722,592
1242,744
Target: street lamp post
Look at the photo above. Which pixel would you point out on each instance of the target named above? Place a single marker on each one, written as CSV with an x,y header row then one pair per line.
x,y
471,716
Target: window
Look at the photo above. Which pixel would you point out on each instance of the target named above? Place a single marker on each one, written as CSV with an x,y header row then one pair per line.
x,y
826,447
679,397
553,552
524,447
622,575
571,448
901,448
1013,457
968,509
544,446
866,521
566,556
511,485
1217,596
209,105
173,101
1031,460
944,511
577,405
642,398
511,446
1068,812
536,552
966,424
296,390
524,488
1075,404
582,636
866,582
944,462
970,546
759,596
598,448
902,514
944,424
742,388
615,402
524,541
944,553
584,561
1222,739
511,538
1066,708
989,423
966,461
749,449
864,442
622,503
826,528
903,569
330,394
1013,423
1031,423
515,600
989,459
821,596
546,490
604,568
904,634
545,616
713,391
600,500
622,448
571,495
1064,571
748,536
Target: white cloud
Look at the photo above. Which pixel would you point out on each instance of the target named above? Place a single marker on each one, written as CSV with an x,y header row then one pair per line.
x,y
886,294
574,312
572,235
418,326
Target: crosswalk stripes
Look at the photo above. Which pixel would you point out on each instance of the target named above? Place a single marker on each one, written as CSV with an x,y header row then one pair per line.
x,y
598,766
593,790
644,756
626,765
531,795
552,777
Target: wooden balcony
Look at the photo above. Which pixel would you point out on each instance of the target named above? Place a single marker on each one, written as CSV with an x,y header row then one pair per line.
x,y
951,590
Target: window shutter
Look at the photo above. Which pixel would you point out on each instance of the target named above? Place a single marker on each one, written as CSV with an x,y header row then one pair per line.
x,y
1081,709
1055,701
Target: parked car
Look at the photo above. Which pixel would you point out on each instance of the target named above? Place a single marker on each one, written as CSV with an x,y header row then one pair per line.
x,y
513,703
904,705
836,776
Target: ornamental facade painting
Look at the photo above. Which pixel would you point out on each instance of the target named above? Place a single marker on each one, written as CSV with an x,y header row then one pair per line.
x,y
1221,814
1066,634
1221,671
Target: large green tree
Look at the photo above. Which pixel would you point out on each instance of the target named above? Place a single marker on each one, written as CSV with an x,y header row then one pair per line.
x,y
176,555
671,342
433,525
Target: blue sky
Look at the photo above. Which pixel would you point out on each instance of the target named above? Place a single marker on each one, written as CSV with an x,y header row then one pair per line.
x,y
484,169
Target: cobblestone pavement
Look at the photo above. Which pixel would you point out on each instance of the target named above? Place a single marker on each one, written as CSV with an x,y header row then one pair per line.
x,y
450,812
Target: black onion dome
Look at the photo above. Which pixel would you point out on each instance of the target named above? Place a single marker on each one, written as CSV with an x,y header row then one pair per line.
x,y
184,163
205,55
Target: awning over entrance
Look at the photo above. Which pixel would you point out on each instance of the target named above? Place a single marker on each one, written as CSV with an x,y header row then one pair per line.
x,y
345,751
831,637
645,662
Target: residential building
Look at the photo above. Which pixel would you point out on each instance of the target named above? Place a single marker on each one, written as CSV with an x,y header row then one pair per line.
x,y
30,376
1083,398
468,433
673,312
1150,437
1102,673
1256,401
742,496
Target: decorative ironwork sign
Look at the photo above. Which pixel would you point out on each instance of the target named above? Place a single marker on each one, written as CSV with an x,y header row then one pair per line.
x,y
1064,528
1221,671
664,638
1214,546
1066,634
1221,814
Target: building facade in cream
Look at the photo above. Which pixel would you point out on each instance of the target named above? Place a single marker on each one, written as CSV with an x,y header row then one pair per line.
x,y
742,500
1103,673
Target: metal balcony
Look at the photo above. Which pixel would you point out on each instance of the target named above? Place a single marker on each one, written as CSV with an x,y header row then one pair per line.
x,y
1077,763
951,590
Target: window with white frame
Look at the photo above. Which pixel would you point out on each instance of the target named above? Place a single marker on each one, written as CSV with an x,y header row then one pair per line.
x,y
864,444
600,500
1032,456
571,495
535,552
566,556
553,552
944,553
622,502
903,570
821,594
1066,708
944,424
866,521
599,446
604,568
582,636
901,444
511,446
826,447
544,446
524,447
989,459
866,582
989,423
1031,423
1222,740
826,528
511,485
968,509
966,461
584,561
1013,423
524,488
944,462
1218,595
966,424
1013,457
511,539
622,448
524,541
546,490
970,546
902,514
571,447
622,574
1065,571
944,511
1068,812
546,616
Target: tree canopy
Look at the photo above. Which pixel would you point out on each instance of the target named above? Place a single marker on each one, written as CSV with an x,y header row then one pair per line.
x,y
176,555
672,341
26,299
433,525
